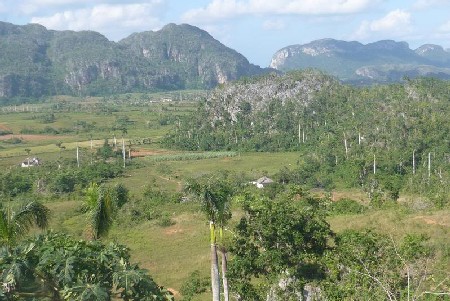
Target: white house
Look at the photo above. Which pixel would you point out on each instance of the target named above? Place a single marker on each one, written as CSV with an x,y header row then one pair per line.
x,y
262,182
29,162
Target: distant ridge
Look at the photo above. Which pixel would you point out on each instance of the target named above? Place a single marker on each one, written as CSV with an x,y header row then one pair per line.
x,y
382,61
36,62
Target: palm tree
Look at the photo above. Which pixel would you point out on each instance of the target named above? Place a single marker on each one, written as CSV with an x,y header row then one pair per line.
x,y
222,219
16,224
214,195
100,206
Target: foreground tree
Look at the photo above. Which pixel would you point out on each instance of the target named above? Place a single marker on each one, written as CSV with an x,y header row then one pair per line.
x,y
277,241
58,267
366,265
214,194
15,224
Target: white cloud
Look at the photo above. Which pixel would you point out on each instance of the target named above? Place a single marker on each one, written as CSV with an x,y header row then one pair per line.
x,y
224,9
396,20
114,21
394,24
423,4
29,7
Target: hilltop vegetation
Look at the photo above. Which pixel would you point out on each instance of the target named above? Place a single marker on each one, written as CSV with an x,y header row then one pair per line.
x,y
383,137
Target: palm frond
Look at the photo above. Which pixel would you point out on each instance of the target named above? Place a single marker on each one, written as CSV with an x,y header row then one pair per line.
x,y
4,228
32,213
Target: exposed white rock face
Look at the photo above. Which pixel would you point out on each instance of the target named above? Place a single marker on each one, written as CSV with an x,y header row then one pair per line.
x,y
422,50
221,76
146,53
367,72
279,58
315,51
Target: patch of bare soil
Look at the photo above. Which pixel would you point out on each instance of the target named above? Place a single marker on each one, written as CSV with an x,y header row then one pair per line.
x,y
173,230
431,220
174,292
147,152
4,127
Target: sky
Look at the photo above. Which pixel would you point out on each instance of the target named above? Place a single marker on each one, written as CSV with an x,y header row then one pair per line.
x,y
255,28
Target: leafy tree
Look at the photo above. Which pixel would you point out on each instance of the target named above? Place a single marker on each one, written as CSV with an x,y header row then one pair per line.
x,y
57,267
280,238
16,181
106,151
16,224
367,265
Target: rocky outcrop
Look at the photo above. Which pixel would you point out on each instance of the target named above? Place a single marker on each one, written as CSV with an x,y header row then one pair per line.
x,y
382,61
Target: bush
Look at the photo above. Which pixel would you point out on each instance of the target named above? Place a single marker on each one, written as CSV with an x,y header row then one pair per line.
x,y
346,206
165,220
194,285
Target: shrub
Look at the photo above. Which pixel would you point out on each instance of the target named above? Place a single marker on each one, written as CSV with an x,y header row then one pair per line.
x,y
194,285
346,206
165,220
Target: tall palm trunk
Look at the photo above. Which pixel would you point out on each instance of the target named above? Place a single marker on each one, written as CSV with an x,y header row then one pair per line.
x,y
223,253
215,282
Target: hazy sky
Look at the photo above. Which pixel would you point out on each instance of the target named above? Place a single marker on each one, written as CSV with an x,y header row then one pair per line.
x,y
255,28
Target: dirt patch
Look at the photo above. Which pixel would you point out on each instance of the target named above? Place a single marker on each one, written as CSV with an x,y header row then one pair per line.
x,y
147,152
4,128
32,137
174,292
430,220
173,230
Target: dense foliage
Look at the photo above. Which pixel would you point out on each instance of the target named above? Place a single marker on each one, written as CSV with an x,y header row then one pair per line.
x,y
58,267
56,178
284,249
278,238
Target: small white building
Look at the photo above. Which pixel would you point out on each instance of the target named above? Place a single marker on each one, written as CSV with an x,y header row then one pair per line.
x,y
29,162
262,182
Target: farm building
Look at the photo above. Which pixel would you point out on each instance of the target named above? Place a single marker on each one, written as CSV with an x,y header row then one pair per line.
x,y
29,162
262,182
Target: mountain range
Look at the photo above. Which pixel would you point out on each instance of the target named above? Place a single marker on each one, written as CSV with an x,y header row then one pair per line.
x,y
36,62
382,61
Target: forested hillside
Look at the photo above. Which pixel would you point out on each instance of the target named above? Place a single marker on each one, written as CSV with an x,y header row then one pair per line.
x,y
36,62
378,62
397,134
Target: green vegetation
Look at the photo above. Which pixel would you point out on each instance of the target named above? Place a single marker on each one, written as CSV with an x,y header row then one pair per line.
x,y
328,226
352,62
56,267
14,224
37,63
385,139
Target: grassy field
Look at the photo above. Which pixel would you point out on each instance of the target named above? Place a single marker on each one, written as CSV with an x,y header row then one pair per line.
x,y
170,253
